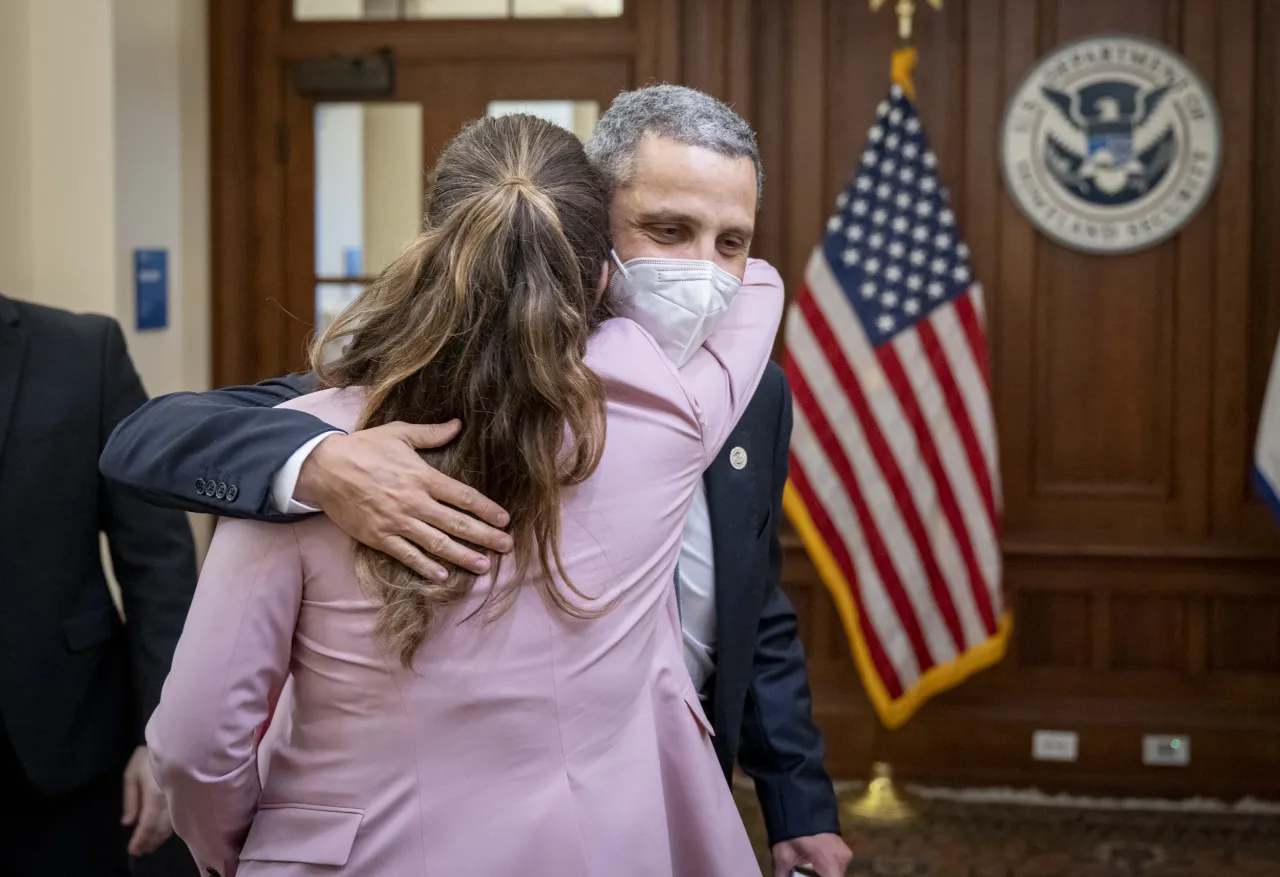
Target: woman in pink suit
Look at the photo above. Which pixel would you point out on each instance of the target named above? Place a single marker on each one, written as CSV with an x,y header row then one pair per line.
x,y
534,721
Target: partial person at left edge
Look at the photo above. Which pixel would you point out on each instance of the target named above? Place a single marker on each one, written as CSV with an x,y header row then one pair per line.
x,y
77,682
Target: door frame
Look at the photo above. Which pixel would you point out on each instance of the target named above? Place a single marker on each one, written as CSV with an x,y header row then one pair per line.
x,y
252,42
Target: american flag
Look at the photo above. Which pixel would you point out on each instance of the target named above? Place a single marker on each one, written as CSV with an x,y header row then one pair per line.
x,y
894,483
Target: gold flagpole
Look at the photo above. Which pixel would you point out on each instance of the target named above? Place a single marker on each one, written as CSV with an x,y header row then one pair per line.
x,y
882,802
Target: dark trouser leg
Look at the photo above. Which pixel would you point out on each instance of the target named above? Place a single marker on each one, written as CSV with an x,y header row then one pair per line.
x,y
73,835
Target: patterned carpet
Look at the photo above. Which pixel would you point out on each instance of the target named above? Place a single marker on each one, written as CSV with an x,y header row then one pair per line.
x,y
954,839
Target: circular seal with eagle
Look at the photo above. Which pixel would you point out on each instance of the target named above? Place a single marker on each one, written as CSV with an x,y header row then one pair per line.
x,y
1111,144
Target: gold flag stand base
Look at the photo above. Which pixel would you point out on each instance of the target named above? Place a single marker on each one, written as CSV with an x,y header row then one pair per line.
x,y
881,802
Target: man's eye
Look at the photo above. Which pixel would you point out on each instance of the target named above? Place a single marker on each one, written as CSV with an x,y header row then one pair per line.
x,y
666,231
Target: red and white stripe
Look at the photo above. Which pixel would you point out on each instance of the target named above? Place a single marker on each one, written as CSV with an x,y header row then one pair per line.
x,y
894,455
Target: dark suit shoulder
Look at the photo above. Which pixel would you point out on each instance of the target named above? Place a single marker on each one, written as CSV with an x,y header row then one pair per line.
x,y
55,324
301,383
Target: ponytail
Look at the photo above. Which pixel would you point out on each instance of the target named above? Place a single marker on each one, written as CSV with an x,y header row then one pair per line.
x,y
486,317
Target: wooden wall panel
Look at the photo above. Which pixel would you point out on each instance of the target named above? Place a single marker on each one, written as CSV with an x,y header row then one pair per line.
x,y
1248,101
1064,629
1148,633
1103,377
1245,635
1263,307
1143,573
1102,363
764,48
1117,357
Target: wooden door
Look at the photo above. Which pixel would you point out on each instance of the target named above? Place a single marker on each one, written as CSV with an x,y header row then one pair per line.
x,y
430,103
266,270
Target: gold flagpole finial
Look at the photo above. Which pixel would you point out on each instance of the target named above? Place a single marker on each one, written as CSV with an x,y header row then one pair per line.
x,y
906,12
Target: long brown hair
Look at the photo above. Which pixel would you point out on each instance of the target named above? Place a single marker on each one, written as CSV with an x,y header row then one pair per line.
x,y
485,317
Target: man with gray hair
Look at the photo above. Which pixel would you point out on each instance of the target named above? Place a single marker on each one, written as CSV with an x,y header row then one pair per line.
x,y
685,179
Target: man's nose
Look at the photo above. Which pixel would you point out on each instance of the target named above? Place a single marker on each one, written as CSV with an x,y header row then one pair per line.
x,y
703,248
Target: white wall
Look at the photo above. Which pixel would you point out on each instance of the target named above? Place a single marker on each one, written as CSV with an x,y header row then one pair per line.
x,y
195,214
72,169
16,272
104,148
161,171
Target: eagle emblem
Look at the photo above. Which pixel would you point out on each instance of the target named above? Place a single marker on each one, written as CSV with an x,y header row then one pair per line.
x,y
1111,142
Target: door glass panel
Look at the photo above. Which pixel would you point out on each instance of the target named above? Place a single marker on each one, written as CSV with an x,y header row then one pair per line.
x,y
440,9
579,116
339,10
343,10
332,299
368,186
566,8
368,196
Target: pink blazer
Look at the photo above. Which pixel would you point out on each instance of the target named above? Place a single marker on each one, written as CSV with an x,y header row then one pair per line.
x,y
537,744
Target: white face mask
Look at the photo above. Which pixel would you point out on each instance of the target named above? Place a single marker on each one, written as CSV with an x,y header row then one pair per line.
x,y
677,301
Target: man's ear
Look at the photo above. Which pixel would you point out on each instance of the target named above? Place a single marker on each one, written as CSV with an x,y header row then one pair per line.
x,y
604,280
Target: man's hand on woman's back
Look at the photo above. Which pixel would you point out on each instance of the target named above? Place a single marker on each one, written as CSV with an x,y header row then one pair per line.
x,y
376,488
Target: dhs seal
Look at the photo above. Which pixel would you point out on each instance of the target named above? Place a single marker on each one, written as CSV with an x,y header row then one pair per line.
x,y
1111,144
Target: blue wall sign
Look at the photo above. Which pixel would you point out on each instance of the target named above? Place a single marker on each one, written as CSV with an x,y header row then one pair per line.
x,y
151,288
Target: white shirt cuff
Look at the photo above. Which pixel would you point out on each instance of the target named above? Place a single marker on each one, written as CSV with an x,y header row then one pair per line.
x,y
286,479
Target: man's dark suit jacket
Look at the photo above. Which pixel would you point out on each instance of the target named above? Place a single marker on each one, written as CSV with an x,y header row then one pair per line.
x,y
217,452
76,685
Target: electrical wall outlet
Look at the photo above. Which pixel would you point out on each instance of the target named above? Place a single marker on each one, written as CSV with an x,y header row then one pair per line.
x,y
1055,745
1167,750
